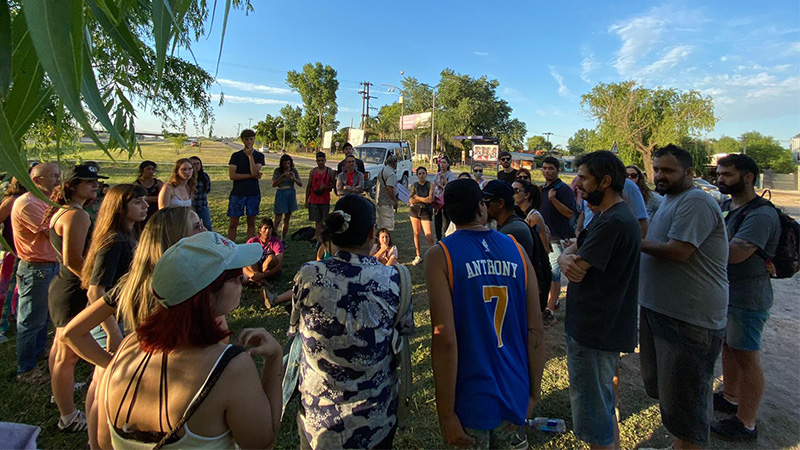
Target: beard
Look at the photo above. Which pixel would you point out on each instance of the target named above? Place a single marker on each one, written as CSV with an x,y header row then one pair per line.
x,y
595,197
664,187
732,189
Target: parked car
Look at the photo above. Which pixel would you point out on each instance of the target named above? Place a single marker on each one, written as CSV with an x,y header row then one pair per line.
x,y
711,190
194,143
374,154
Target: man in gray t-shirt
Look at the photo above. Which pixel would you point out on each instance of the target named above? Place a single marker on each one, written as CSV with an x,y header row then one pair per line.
x,y
387,193
754,228
683,293
499,198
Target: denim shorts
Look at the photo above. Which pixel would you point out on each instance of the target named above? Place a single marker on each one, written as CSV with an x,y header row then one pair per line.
x,y
237,205
285,201
555,269
591,393
744,328
678,370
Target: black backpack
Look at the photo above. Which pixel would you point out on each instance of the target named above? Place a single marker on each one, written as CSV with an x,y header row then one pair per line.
x,y
304,234
786,261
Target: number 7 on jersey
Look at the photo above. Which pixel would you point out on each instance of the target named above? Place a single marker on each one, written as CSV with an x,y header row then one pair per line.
x,y
499,293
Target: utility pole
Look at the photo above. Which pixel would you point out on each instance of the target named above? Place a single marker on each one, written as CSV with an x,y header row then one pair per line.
x,y
284,135
365,103
320,127
547,135
433,122
238,127
249,122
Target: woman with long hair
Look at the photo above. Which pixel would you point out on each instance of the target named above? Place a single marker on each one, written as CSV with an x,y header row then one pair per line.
x,y
285,177
343,311
200,200
652,200
420,198
528,198
208,394
8,267
148,180
69,234
179,190
442,178
384,249
115,236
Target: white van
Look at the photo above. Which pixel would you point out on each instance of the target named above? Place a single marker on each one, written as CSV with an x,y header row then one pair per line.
x,y
374,154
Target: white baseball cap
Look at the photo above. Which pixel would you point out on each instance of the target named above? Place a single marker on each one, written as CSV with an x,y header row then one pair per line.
x,y
195,262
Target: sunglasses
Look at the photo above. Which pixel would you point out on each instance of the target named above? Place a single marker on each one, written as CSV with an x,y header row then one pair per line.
x,y
478,170
505,158
517,190
633,175
523,178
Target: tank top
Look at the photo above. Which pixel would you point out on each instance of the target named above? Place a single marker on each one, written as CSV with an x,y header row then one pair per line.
x,y
487,276
121,439
175,201
318,180
58,244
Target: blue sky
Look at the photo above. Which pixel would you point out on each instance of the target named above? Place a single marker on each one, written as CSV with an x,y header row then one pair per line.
x,y
545,55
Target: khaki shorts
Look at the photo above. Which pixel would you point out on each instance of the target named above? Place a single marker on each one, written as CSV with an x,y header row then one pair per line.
x,y
385,217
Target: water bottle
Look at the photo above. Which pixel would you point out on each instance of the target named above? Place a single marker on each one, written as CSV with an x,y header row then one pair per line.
x,y
548,424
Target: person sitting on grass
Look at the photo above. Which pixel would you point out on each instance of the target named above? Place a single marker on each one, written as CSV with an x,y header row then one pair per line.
x,y
271,263
385,250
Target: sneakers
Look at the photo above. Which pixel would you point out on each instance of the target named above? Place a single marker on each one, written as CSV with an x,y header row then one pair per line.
x,y
34,376
722,404
270,298
416,261
548,318
733,430
76,425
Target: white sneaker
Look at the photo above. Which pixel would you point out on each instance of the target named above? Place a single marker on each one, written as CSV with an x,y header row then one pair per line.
x,y
416,261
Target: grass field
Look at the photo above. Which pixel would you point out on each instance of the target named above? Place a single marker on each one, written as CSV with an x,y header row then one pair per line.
x,y
640,425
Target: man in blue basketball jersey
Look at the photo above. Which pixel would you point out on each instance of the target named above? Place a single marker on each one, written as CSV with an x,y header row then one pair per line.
x,y
487,348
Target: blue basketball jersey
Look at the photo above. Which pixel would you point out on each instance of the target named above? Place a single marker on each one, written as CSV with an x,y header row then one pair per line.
x,y
487,276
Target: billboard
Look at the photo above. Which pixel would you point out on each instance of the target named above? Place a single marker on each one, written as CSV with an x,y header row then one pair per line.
x,y
486,153
411,121
355,136
327,140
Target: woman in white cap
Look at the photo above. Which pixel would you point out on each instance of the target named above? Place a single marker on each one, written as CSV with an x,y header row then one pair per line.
x,y
344,311
197,392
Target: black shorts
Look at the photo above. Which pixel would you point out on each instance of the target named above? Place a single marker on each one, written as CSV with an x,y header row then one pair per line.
x,y
65,298
421,212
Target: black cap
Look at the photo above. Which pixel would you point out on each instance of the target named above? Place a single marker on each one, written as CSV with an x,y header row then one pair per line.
x,y
462,194
498,189
81,172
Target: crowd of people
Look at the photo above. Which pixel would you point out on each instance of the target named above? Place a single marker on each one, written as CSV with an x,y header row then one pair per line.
x,y
668,271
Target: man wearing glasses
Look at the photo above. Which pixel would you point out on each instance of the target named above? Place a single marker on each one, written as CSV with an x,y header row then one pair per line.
x,y
508,174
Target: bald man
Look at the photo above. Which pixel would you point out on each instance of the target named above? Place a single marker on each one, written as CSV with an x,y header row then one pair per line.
x,y
37,266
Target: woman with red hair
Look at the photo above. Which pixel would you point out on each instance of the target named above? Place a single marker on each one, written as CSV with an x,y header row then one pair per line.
x,y
208,394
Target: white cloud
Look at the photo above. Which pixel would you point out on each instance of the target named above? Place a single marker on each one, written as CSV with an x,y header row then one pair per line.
x,y
563,90
251,87
670,59
723,58
639,36
253,100
588,65
481,53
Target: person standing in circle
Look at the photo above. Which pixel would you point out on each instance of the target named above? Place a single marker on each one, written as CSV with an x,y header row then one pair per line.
x,y
147,180
441,222
285,177
179,190
203,187
420,210
244,169
69,235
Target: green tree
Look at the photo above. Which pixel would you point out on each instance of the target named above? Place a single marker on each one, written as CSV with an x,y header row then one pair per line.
x,y
512,135
290,119
584,141
538,143
641,119
178,140
268,131
93,56
317,86
727,145
767,152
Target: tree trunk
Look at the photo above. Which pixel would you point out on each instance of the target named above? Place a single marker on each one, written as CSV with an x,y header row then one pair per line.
x,y
647,159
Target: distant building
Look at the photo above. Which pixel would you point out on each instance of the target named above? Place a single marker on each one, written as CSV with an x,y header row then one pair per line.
x,y
794,147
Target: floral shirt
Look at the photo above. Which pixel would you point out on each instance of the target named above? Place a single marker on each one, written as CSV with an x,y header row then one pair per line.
x,y
343,309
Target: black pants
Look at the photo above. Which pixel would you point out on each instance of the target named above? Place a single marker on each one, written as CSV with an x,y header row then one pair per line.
x,y
440,224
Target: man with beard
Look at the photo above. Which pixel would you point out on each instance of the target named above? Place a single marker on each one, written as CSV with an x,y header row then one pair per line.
x,y
683,295
508,173
603,272
754,229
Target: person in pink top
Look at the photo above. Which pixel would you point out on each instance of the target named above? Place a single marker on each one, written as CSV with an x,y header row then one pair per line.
x,y
271,262
37,267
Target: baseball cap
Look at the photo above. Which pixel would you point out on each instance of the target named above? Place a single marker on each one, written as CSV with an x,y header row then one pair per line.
x,y
82,172
462,194
195,262
498,189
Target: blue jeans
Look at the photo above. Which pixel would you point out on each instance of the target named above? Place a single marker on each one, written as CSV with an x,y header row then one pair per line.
x,y
553,256
205,215
33,281
591,394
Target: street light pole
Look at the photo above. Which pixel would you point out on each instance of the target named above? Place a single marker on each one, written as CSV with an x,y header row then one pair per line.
x,y
284,135
393,88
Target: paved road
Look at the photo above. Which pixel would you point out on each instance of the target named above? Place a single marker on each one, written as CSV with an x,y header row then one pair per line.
x,y
311,161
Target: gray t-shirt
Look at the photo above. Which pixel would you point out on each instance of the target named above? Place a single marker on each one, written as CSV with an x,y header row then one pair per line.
x,y
386,177
750,285
695,290
516,226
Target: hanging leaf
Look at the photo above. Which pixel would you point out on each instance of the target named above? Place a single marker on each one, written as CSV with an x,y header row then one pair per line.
x,y
119,30
222,39
161,34
93,99
56,29
5,48
10,156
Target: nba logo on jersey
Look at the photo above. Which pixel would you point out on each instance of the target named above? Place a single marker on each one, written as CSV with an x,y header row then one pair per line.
x,y
485,246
